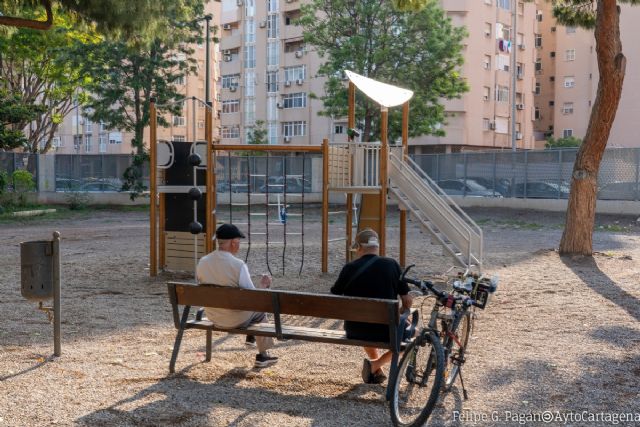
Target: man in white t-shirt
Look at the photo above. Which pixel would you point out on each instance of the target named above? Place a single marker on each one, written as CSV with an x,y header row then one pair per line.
x,y
221,267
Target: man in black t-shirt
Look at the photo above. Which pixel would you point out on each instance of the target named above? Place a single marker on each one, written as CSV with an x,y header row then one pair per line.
x,y
371,276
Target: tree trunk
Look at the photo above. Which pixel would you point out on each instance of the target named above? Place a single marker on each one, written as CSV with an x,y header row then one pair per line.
x,y
29,23
577,237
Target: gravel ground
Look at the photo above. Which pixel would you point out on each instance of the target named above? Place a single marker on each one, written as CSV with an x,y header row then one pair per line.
x,y
561,334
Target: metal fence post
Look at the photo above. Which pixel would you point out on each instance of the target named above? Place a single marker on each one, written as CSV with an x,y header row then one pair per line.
x,y
526,174
464,189
559,171
495,159
637,173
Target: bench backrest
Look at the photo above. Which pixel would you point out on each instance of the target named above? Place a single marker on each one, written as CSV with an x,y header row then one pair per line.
x,y
380,311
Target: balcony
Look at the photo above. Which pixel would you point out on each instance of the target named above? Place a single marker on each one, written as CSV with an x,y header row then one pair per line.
x,y
232,41
289,5
229,16
456,5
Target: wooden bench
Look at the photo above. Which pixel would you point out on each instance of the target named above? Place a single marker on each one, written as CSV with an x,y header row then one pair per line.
x,y
276,302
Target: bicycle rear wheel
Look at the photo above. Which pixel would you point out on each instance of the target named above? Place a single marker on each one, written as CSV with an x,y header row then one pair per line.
x,y
418,381
457,350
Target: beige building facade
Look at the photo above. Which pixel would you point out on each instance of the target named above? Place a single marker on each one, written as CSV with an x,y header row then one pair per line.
x,y
568,84
79,135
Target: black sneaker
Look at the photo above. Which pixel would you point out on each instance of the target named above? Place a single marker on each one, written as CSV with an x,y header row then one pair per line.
x,y
250,341
264,360
378,378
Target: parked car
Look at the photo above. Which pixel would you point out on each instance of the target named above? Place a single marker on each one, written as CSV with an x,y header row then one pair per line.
x,y
619,191
67,184
222,186
466,187
501,186
294,185
100,186
542,190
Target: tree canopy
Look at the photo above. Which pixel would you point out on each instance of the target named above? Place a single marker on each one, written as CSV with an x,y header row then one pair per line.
x,y
420,51
14,112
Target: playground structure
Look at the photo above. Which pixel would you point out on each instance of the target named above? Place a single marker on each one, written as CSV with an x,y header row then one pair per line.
x,y
366,172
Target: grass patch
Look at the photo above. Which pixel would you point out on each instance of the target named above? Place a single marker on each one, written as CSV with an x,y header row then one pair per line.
x,y
612,228
510,223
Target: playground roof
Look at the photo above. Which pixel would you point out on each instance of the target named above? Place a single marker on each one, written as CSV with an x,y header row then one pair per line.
x,y
384,94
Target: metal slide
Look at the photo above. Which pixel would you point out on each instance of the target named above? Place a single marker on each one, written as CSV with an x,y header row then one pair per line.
x,y
437,213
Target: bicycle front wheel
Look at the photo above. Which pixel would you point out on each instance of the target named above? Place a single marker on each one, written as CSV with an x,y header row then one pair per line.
x,y
418,381
457,350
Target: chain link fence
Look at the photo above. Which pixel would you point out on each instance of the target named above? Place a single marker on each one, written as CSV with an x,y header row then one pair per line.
x,y
525,174
544,174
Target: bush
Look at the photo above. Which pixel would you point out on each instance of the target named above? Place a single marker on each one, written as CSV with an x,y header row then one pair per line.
x,y
4,182
78,200
23,182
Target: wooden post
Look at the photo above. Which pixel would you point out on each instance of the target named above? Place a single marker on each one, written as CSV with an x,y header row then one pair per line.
x,y
325,205
384,148
403,212
211,178
153,189
162,249
351,123
349,226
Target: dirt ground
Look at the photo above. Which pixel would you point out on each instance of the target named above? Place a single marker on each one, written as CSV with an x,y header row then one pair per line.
x,y
560,335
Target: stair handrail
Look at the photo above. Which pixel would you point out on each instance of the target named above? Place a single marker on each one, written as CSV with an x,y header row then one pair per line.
x,y
472,229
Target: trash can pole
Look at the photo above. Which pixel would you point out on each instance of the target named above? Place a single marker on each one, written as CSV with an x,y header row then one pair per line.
x,y
57,350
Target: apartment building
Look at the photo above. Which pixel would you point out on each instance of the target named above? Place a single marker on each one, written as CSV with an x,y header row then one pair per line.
x,y
267,76
568,80
481,118
77,134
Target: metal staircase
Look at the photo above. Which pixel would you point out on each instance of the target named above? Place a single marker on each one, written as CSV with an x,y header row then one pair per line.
x,y
437,213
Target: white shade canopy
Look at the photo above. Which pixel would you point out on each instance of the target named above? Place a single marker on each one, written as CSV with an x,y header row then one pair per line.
x,y
384,94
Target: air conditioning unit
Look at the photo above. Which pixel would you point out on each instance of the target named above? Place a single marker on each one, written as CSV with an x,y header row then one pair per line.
x,y
200,124
279,105
539,71
287,139
299,82
505,68
487,33
287,83
519,106
522,46
518,135
263,24
226,26
227,58
298,54
239,2
520,76
492,125
485,65
226,52
485,98
233,88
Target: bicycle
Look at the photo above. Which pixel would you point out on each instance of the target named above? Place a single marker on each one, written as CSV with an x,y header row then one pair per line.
x,y
433,359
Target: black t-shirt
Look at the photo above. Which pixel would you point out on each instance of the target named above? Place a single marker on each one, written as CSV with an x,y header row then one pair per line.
x,y
380,280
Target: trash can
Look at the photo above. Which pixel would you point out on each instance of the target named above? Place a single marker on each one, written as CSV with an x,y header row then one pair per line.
x,y
36,260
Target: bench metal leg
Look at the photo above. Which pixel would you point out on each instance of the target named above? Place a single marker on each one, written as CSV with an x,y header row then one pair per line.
x,y
393,371
209,339
176,345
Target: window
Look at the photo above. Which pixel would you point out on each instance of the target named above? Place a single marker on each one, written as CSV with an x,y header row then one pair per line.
x,y
272,131
486,64
295,100
566,133
230,80
178,121
179,138
272,81
538,66
272,26
102,143
552,54
486,124
87,143
115,138
231,131
520,70
272,5
571,30
520,8
272,108
56,142
77,141
502,62
180,80
487,29
536,114
567,108
537,89
250,83
294,128
486,93
250,8
569,81
231,106
273,52
249,111
552,103
502,94
339,129
250,31
538,40
250,56
103,127
504,4
295,73
570,55
539,15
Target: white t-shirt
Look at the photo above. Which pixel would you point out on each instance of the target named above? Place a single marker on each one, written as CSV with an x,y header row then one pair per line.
x,y
224,269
